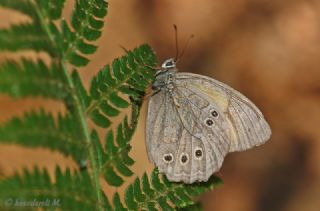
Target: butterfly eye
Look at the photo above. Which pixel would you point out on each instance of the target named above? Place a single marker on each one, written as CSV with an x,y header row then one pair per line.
x,y
209,122
168,158
184,158
169,64
214,113
198,153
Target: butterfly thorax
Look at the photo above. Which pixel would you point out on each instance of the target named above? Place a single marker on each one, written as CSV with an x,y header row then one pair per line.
x,y
165,77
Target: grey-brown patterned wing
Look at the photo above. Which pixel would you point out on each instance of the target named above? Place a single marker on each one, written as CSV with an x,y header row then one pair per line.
x,y
157,108
248,128
184,140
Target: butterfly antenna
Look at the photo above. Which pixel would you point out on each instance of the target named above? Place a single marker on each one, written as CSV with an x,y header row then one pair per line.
x,y
176,37
186,46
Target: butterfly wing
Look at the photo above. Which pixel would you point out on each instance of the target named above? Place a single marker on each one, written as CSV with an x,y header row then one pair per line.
x,y
162,127
177,129
248,128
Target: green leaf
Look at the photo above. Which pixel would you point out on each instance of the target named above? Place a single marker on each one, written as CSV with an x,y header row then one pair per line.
x,y
32,79
37,185
163,204
165,195
117,203
24,6
81,92
123,77
55,9
99,119
109,110
116,161
129,199
78,60
25,36
118,101
151,206
39,129
85,47
91,34
98,147
51,8
146,187
123,169
139,196
95,23
174,199
111,149
106,156
194,207
112,177
86,25
107,206
121,140
156,181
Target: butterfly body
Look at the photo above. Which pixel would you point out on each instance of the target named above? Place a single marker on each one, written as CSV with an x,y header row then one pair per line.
x,y
193,121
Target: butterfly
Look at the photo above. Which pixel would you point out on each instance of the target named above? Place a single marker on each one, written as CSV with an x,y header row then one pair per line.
x,y
194,121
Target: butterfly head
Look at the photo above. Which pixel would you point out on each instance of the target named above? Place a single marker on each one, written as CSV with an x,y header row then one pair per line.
x,y
165,76
169,63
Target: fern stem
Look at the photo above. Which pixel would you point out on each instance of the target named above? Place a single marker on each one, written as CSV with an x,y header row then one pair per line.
x,y
79,112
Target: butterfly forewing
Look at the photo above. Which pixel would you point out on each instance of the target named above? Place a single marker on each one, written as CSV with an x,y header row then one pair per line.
x,y
248,128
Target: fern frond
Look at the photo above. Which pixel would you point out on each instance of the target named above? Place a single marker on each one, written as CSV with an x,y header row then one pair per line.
x,y
80,90
86,21
32,36
51,8
129,75
162,194
194,207
25,36
29,78
114,156
69,191
84,13
39,129
43,34
24,6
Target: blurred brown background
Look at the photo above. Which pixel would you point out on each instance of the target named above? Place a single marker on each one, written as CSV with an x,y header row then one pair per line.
x,y
267,49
